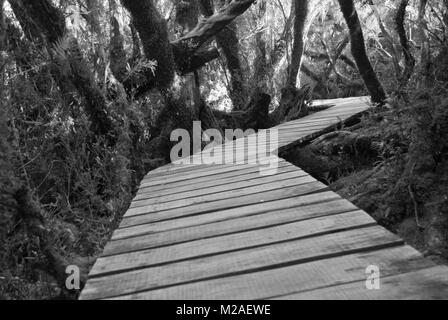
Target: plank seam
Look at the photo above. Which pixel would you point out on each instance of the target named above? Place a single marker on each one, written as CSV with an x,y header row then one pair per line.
x,y
227,233
310,236
204,211
271,267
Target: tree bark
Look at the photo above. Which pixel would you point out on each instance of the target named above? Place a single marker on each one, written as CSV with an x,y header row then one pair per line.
x,y
206,7
187,15
260,64
208,28
282,44
301,12
2,30
425,64
408,57
292,101
48,25
184,54
389,40
154,35
136,49
117,53
98,40
227,40
93,15
359,52
3,58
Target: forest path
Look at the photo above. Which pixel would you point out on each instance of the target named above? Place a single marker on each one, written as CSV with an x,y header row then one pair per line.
x,y
230,232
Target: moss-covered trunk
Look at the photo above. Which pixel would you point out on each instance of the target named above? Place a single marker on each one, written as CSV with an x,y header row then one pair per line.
x,y
43,22
154,35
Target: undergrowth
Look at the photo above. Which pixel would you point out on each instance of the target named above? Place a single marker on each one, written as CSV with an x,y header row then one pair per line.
x,y
62,189
394,165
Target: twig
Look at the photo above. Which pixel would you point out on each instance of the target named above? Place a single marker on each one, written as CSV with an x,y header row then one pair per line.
x,y
411,193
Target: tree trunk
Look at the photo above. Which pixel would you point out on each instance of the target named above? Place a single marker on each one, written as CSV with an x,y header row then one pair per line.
x,y
389,41
408,57
93,16
2,31
208,28
425,63
48,24
154,35
136,49
117,53
260,64
282,44
292,101
187,15
97,39
301,11
359,52
184,54
3,59
227,41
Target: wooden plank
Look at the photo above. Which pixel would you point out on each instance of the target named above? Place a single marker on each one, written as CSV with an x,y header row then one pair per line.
x,y
201,170
193,183
289,279
253,179
181,169
226,232
217,173
189,175
330,121
173,168
425,284
192,187
334,115
334,122
290,143
315,120
128,230
241,224
287,180
306,125
365,99
244,261
294,134
341,109
232,242
141,214
304,131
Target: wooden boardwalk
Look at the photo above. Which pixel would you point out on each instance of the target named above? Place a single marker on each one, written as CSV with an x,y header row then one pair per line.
x,y
229,232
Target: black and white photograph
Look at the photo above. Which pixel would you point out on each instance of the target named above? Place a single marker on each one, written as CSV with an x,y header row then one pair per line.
x,y
223,155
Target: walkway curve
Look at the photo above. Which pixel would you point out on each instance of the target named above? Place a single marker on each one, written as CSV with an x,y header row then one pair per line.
x,y
228,232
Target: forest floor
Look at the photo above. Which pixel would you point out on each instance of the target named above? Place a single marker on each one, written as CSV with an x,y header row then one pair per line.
x,y
394,165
